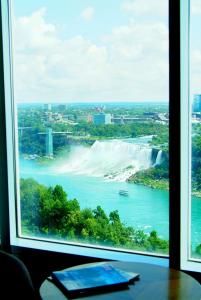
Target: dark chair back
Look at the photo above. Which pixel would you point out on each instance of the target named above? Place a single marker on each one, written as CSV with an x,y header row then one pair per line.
x,y
15,280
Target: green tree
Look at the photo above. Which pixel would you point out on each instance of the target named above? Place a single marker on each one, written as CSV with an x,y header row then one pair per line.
x,y
30,195
114,217
48,211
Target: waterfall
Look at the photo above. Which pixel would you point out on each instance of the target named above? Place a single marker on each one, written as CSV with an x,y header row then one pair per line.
x,y
115,160
159,158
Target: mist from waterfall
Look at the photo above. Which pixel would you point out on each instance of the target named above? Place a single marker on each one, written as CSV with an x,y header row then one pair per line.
x,y
114,159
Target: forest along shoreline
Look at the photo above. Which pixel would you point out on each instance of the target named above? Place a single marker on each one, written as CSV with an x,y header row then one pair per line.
x,y
157,176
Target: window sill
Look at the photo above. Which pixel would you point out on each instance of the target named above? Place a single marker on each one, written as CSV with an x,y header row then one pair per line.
x,y
91,252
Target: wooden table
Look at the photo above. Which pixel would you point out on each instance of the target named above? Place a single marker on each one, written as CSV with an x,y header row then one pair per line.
x,y
156,283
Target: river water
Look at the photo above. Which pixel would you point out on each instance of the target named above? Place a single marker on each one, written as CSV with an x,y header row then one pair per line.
x,y
144,208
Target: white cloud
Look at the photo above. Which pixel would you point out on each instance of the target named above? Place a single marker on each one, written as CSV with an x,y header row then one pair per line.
x,y
130,64
33,32
88,13
196,7
196,72
141,7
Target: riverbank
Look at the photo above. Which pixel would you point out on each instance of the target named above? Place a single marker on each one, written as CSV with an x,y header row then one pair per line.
x,y
196,193
150,178
154,184
161,184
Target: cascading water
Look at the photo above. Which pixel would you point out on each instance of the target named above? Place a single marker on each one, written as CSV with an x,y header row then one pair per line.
x,y
115,160
159,158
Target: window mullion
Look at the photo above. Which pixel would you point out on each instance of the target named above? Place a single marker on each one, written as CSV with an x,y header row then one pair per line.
x,y
4,206
174,81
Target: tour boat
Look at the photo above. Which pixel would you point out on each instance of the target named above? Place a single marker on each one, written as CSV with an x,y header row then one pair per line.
x,y
123,193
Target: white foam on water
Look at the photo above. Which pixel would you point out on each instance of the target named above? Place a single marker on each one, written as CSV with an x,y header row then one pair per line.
x,y
114,160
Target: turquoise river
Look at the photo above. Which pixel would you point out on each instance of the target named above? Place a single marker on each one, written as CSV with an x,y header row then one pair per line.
x,y
144,208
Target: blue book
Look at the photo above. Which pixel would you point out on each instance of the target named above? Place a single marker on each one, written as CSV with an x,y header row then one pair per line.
x,y
86,280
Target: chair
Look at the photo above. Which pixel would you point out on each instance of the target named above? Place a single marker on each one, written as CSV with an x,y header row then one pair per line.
x,y
15,280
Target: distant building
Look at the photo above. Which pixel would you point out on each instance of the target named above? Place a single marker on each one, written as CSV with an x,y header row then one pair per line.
x,y
50,117
162,117
89,119
71,117
196,107
48,106
150,114
131,120
196,115
57,117
118,120
100,109
102,119
62,107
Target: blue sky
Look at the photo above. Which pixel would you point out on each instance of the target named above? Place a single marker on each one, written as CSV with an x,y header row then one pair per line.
x,y
85,50
195,47
67,15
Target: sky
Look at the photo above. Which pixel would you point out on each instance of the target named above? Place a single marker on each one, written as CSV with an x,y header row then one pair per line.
x,y
195,48
92,50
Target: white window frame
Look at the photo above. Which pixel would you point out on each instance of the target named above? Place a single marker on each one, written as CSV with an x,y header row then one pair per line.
x,y
8,86
187,262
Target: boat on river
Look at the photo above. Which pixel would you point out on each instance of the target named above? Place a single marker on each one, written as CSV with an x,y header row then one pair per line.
x,y
123,193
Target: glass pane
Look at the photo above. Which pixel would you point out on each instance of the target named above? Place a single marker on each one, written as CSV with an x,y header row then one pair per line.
x,y
195,79
91,94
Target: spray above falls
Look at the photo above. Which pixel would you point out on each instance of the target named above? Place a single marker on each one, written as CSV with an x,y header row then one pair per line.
x,y
114,159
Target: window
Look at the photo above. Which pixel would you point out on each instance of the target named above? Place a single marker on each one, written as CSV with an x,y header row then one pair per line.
x,y
91,141
195,94
190,50
195,132
49,125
